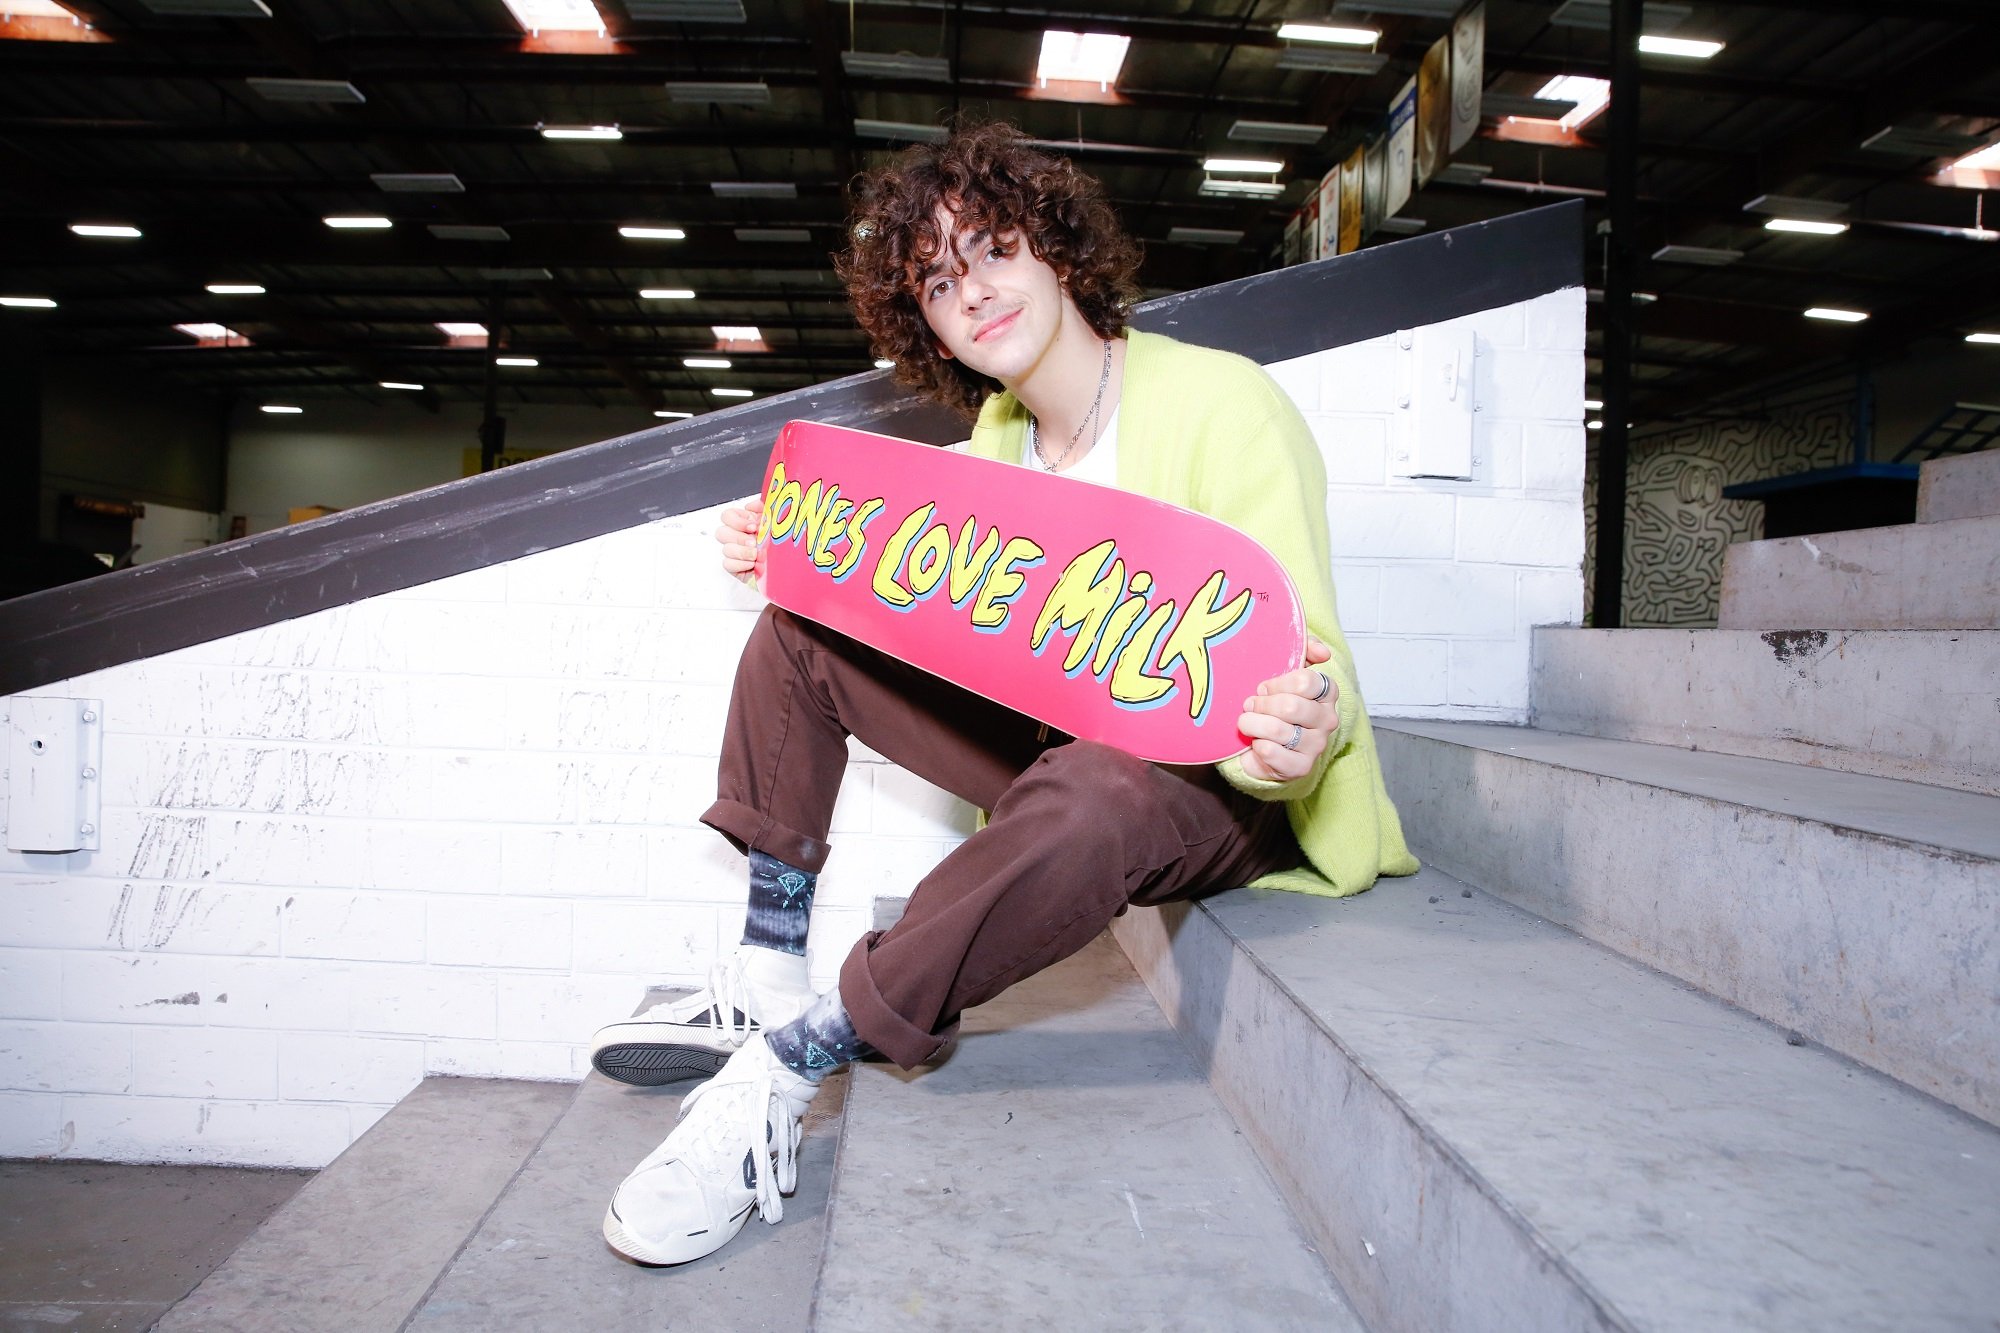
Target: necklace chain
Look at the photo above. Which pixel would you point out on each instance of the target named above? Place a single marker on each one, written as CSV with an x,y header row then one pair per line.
x,y
1034,435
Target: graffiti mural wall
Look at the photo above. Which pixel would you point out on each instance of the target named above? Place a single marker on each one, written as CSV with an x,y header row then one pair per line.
x,y
1677,524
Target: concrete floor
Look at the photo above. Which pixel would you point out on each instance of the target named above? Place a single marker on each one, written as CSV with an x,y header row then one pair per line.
x,y
88,1246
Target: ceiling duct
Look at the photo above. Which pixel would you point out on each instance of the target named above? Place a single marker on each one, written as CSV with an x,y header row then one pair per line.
x,y
724,94
882,65
1276,131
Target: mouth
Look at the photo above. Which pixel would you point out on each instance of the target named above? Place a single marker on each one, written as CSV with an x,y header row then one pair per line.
x,y
994,327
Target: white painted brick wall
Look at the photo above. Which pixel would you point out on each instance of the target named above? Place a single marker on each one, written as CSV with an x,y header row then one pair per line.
x,y
454,829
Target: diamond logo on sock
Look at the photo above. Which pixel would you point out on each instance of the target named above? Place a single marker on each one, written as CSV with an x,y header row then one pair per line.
x,y
791,882
816,1058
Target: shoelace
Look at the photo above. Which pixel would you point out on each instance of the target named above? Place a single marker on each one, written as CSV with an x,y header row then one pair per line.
x,y
728,996
720,1144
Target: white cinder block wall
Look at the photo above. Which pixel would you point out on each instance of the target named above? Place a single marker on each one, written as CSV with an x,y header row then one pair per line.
x,y
451,830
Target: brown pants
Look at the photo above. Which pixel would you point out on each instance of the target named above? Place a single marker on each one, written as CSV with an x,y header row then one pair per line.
x,y
1077,829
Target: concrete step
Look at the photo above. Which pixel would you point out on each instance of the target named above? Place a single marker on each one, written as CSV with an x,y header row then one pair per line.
x,y
538,1259
1922,705
1488,1122
1967,486
1941,575
1066,1167
1856,910
358,1246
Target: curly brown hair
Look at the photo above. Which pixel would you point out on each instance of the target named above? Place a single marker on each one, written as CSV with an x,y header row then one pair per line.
x,y
995,180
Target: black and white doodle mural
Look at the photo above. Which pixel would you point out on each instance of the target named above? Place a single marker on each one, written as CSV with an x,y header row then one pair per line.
x,y
1677,524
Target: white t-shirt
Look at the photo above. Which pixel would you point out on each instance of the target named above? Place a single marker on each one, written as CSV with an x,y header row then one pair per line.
x,y
1099,465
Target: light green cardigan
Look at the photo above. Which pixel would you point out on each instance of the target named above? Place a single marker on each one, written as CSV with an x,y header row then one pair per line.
x,y
1210,431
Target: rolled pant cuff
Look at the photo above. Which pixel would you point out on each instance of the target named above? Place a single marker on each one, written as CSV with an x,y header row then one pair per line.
x,y
875,1022
751,831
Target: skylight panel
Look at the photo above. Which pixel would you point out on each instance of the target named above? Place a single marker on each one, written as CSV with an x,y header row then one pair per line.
x,y
1081,57
555,15
1590,95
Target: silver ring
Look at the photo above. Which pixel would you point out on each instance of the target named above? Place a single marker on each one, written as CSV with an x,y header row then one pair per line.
x,y
1298,734
1325,686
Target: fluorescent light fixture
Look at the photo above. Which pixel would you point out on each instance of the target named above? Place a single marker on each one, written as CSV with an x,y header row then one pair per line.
x,y
1461,173
556,15
1993,338
1499,105
884,363
667,293
28,302
1796,206
639,233
737,333
1836,314
1922,141
1806,226
38,9
1590,95
1593,425
358,222
461,329
399,384
525,361
1081,57
1597,14
1705,255
417,182
1687,47
455,231
1259,166
1276,131
217,333
754,189
1204,236
602,133
333,92
1595,296
1329,61
213,9
672,416
118,230
1421,9
281,409
881,65
235,289
1593,405
685,11
899,131
774,235
1327,35
1228,189
732,393
705,362
722,94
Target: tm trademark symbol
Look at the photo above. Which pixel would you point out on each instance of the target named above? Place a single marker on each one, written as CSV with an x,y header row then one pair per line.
x,y
1263,596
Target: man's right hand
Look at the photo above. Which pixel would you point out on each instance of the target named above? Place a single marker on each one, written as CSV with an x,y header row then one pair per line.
x,y
738,538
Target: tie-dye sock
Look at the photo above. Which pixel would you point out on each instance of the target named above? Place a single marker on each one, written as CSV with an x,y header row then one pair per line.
x,y
819,1040
780,910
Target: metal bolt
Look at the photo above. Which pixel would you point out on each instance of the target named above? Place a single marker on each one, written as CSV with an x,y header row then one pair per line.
x,y
89,715
89,773
87,829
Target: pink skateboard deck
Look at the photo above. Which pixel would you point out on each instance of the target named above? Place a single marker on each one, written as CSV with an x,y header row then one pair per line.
x,y
1105,614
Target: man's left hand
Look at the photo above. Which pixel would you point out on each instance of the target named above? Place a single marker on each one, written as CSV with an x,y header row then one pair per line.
x,y
1287,725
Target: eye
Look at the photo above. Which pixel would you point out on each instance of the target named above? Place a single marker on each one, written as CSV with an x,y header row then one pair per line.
x,y
938,288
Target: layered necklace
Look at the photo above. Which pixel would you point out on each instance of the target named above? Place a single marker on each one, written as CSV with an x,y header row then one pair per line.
x,y
1034,435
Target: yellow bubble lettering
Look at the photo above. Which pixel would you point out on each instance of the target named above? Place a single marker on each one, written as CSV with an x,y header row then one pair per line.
x,y
1084,594
1129,682
1203,624
969,563
990,608
833,530
928,558
857,538
891,563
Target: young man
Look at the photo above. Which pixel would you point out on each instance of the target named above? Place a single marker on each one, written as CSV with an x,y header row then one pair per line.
x,y
982,264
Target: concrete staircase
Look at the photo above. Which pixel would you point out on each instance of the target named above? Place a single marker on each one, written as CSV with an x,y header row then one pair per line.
x,y
1066,1165
1691,1022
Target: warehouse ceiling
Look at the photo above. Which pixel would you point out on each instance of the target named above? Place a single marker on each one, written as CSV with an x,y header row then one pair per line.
x,y
179,118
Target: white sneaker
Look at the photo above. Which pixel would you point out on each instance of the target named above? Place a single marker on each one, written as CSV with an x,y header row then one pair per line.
x,y
734,1149
748,991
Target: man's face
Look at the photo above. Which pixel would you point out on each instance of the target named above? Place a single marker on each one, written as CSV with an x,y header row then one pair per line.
x,y
991,303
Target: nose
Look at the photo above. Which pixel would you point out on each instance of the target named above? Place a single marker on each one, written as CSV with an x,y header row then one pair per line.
x,y
973,292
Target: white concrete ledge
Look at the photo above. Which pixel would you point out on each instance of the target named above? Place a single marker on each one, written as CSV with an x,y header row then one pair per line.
x,y
1913,576
1490,1123
1856,910
1920,705
1967,486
